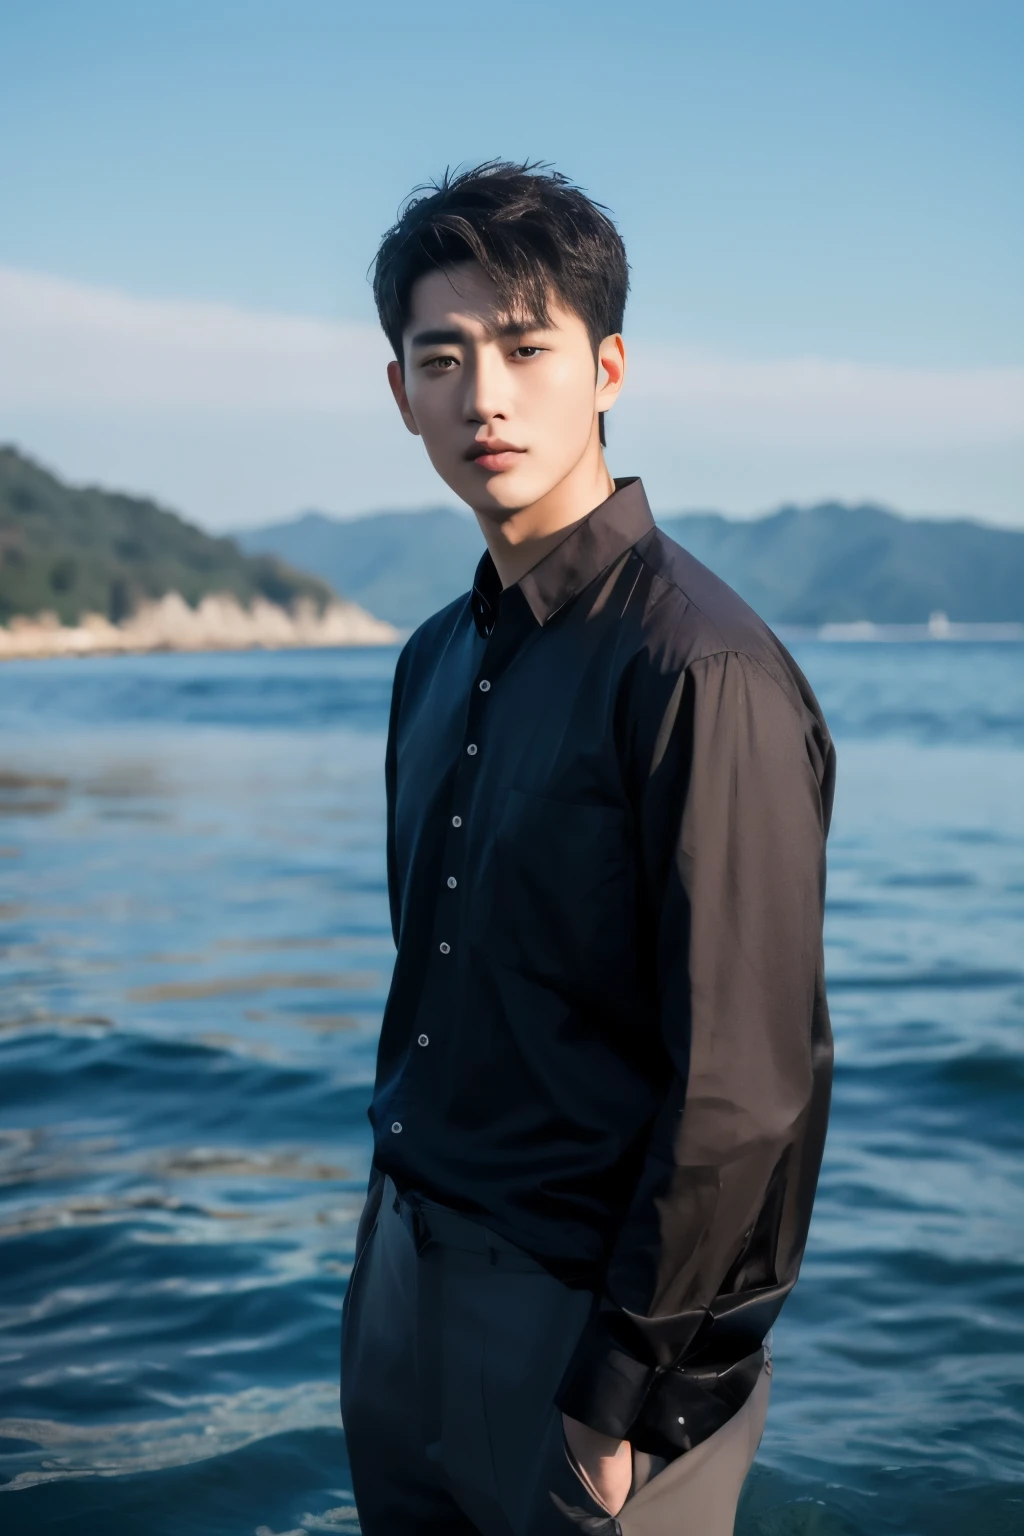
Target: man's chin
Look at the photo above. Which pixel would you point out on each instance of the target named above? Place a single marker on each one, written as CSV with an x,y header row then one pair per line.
x,y
501,495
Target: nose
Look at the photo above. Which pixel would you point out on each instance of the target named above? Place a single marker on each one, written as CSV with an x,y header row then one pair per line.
x,y
486,397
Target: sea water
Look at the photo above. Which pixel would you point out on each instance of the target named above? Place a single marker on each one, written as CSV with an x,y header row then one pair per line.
x,y
194,956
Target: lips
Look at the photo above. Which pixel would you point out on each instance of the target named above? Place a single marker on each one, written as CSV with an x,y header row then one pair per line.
x,y
494,455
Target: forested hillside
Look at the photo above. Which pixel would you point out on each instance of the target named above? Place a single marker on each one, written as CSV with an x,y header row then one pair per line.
x,y
74,551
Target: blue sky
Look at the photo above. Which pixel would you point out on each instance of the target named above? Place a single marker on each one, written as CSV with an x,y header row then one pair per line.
x,y
831,186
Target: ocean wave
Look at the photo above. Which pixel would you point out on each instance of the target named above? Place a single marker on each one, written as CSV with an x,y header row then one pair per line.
x,y
194,955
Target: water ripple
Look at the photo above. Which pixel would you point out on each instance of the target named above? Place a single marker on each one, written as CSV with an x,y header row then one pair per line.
x,y
194,954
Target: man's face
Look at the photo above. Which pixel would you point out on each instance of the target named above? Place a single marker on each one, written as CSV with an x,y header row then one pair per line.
x,y
506,408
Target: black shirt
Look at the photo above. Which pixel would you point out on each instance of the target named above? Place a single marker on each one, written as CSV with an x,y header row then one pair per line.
x,y
608,793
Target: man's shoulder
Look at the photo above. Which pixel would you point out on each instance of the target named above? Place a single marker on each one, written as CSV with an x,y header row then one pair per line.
x,y
696,608
692,616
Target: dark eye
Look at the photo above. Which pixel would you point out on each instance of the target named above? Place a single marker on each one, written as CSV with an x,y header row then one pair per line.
x,y
440,364
527,351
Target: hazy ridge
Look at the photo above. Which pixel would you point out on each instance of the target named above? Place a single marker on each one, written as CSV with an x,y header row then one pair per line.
x,y
827,564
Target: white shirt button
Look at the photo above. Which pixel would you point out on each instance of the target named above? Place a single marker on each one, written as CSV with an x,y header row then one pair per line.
x,y
423,1040
471,749
445,948
452,882
456,821
396,1127
485,686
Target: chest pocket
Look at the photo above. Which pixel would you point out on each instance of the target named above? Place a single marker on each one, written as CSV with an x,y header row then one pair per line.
x,y
560,888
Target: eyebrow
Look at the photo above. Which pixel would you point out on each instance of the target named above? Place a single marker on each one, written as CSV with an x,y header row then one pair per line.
x,y
452,336
438,338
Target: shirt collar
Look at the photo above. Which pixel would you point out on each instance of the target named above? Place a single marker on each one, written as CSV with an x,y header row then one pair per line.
x,y
588,548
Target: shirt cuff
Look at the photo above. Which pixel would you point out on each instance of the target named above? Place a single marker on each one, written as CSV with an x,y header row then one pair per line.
x,y
605,1386
609,1389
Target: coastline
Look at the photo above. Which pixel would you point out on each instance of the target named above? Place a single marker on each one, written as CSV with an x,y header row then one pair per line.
x,y
221,623
866,631
218,623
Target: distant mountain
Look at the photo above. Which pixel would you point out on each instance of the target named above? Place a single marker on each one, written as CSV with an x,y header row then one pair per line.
x,y
76,551
826,564
836,564
403,565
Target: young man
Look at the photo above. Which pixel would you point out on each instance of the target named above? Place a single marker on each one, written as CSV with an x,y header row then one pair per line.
x,y
604,1070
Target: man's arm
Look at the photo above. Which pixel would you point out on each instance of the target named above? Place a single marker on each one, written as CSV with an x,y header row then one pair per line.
x,y
375,1185
732,818
391,791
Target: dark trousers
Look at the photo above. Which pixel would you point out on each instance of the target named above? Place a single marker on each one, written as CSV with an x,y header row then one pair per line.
x,y
454,1343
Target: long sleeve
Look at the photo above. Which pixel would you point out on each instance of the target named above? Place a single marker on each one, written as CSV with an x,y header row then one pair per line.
x,y
375,1184
732,808
390,790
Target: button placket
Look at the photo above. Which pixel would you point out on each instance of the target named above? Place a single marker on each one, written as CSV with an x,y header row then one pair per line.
x,y
472,750
452,854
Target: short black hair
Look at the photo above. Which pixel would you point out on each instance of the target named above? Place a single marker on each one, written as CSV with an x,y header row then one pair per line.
x,y
532,231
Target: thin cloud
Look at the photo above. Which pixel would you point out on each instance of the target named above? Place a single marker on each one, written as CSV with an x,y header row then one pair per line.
x,y
64,345
69,346
815,400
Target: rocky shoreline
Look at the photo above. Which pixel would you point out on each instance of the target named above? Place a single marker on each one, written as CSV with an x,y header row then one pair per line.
x,y
218,623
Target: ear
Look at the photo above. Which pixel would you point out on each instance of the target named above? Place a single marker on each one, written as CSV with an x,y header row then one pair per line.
x,y
611,371
401,398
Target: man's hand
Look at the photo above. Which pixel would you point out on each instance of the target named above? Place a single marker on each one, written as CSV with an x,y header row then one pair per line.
x,y
606,1463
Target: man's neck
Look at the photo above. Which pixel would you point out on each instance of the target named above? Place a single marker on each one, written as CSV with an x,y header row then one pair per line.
x,y
518,541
